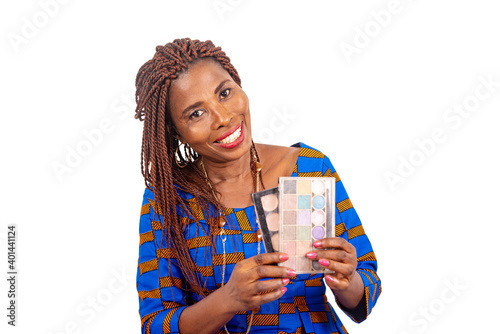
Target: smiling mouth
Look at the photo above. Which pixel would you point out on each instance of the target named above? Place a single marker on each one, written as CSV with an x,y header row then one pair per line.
x,y
232,137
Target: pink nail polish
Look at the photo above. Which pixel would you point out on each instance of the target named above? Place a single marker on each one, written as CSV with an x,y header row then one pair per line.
x,y
283,257
291,272
311,255
286,280
323,262
283,290
317,244
329,278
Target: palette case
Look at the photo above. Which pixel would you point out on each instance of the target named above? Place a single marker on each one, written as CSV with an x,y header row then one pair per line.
x,y
266,205
300,211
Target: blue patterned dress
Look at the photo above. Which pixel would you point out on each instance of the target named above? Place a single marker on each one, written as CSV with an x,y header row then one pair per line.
x,y
164,293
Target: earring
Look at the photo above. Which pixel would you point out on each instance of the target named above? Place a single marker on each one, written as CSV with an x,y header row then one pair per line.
x,y
181,161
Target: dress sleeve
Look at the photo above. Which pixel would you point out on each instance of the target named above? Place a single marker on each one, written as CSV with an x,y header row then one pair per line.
x,y
348,226
160,283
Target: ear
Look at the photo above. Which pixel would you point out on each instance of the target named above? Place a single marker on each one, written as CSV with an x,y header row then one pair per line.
x,y
173,132
179,138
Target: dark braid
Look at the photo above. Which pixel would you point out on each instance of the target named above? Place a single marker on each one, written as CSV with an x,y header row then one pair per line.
x,y
161,174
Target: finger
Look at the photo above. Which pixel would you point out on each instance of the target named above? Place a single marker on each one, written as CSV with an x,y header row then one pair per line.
x,y
333,255
342,270
336,284
269,285
338,243
269,258
268,271
264,291
270,296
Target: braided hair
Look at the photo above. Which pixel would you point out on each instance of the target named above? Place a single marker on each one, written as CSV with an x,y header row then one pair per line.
x,y
162,175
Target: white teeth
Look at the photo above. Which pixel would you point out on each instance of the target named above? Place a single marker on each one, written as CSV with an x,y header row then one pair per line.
x,y
232,137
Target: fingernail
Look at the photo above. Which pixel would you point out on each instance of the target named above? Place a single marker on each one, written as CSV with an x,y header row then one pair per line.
x,y
283,290
323,262
283,257
311,255
317,244
329,278
285,281
291,272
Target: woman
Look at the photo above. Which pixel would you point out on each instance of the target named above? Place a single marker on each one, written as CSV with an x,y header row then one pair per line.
x,y
201,269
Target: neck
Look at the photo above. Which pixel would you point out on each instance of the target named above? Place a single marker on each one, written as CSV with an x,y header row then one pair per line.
x,y
230,172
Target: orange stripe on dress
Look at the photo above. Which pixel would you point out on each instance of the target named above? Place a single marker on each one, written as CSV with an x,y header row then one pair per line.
x,y
148,266
146,237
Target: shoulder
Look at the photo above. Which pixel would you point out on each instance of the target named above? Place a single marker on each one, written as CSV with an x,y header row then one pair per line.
x,y
276,161
297,160
148,196
149,203
274,154
312,162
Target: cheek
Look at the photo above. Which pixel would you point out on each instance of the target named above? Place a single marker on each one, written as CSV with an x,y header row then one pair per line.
x,y
243,108
241,103
197,132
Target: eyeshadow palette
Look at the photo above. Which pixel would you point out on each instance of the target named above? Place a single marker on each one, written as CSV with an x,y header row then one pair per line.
x,y
297,213
306,215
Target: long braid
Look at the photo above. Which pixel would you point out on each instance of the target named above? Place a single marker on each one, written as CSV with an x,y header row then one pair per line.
x,y
160,172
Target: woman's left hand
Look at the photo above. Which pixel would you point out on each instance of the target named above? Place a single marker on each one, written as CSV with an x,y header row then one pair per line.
x,y
338,255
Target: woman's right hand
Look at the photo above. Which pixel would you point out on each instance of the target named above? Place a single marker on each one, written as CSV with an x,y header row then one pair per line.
x,y
246,290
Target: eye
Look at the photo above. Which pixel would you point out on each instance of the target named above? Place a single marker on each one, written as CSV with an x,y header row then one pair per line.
x,y
225,93
197,113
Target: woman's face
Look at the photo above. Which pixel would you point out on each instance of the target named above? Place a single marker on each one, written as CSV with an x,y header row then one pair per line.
x,y
211,112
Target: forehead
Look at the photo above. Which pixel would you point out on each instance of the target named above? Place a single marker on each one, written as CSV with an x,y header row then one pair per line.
x,y
198,76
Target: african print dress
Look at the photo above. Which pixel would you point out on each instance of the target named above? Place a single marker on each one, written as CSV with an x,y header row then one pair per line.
x,y
164,293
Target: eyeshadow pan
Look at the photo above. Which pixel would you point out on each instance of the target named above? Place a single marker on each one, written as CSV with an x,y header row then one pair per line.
x,y
304,217
304,233
316,265
290,187
289,247
318,202
269,202
317,187
289,202
318,232
273,221
290,262
289,217
275,240
304,202
317,217
289,232
303,247
304,186
302,262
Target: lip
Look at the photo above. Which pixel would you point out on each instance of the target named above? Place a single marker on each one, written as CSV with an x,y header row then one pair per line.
x,y
236,142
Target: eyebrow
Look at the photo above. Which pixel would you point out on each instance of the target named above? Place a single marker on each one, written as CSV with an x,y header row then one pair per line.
x,y
220,86
194,105
197,104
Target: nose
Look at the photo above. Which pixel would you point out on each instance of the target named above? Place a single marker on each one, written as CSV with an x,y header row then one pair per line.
x,y
221,116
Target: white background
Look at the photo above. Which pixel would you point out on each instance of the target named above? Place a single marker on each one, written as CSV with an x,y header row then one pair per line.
x,y
75,71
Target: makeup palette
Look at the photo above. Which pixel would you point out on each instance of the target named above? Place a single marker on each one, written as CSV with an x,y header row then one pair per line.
x,y
266,204
294,215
